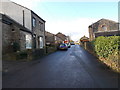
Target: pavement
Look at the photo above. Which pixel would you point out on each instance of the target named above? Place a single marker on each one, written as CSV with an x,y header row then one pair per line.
x,y
74,68
14,66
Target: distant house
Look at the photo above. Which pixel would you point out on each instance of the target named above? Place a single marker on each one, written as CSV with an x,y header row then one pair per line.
x,y
84,39
103,27
58,40
49,38
22,27
53,39
63,37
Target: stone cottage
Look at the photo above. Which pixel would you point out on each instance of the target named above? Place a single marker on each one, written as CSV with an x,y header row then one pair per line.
x,y
103,27
58,40
84,41
49,38
22,29
63,37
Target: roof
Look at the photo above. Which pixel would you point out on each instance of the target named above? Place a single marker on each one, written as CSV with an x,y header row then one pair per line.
x,y
49,32
38,16
102,20
19,5
61,34
107,20
84,38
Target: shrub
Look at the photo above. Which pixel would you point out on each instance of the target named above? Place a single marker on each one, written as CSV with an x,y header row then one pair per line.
x,y
105,46
108,50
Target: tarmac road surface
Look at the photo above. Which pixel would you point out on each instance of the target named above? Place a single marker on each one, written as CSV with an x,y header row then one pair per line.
x,y
74,68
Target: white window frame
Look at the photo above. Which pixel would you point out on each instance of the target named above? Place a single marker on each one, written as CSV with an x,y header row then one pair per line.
x,y
33,22
41,42
28,44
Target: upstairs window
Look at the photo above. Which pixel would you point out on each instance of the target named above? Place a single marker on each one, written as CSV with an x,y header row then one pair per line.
x,y
34,22
41,26
104,27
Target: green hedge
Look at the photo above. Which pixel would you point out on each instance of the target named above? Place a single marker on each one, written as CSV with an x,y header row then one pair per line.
x,y
108,51
105,46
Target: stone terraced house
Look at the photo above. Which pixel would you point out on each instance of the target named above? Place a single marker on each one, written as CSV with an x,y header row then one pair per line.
x,y
22,29
49,38
103,27
63,37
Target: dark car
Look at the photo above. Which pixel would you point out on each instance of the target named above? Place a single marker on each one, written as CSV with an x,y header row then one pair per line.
x,y
63,46
72,43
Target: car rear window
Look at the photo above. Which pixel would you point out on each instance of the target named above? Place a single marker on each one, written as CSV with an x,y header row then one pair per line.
x,y
62,44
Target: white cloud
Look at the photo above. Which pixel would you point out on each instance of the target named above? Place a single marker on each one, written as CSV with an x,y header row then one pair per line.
x,y
75,28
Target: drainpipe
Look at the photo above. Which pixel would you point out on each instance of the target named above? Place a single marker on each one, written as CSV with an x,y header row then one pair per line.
x,y
23,18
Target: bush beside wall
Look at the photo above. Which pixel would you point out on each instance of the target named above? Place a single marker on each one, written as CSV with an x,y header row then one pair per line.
x,y
108,51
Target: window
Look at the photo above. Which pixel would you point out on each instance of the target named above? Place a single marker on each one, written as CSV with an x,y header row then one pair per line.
x,y
28,42
33,22
104,28
41,26
41,42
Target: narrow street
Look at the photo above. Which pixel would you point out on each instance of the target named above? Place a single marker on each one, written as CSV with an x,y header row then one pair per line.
x,y
74,68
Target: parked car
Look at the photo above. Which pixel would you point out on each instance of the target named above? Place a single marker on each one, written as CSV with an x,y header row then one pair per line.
x,y
63,46
72,43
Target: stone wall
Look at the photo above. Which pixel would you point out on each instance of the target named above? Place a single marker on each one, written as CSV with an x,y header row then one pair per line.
x,y
8,38
12,34
13,40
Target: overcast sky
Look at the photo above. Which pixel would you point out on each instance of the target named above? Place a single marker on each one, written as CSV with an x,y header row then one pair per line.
x,y
72,17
